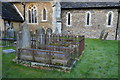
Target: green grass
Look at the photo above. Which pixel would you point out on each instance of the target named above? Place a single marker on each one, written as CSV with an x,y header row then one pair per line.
x,y
100,60
5,43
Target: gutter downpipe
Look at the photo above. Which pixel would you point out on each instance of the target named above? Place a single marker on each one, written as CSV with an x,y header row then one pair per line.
x,y
118,20
24,5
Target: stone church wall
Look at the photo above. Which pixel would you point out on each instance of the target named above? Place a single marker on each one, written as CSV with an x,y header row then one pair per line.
x,y
40,6
98,23
98,20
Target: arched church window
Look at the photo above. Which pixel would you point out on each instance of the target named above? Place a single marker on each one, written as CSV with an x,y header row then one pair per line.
x,y
110,18
32,13
44,15
69,19
88,18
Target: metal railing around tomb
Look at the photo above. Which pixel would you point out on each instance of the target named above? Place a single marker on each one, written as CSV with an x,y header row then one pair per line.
x,y
53,49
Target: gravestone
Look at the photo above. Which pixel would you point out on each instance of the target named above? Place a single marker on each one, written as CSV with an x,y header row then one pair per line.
x,y
9,51
56,31
102,34
25,37
19,40
48,33
105,35
10,32
7,25
40,38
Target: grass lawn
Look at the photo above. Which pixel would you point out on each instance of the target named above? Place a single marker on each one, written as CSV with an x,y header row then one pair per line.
x,y
100,60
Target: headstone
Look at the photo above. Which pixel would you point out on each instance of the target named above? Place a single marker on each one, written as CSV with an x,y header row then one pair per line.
x,y
49,31
7,25
19,40
10,32
40,39
102,34
56,31
105,35
26,37
9,51
48,35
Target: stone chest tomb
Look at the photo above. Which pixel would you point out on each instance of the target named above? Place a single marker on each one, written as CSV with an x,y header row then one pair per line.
x,y
56,51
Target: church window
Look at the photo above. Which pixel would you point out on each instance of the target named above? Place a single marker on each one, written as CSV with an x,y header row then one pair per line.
x,y
69,19
32,13
109,18
44,15
88,18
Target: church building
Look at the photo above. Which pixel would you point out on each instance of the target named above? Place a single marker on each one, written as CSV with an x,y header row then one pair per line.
x,y
79,18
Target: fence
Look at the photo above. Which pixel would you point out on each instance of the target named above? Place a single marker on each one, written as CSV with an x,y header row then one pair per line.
x,y
49,49
53,49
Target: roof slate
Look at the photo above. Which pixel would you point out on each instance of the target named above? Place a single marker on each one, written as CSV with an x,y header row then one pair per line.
x,y
9,12
89,4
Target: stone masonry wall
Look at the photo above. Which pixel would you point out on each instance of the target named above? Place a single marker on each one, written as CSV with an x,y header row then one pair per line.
x,y
16,25
98,21
40,6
